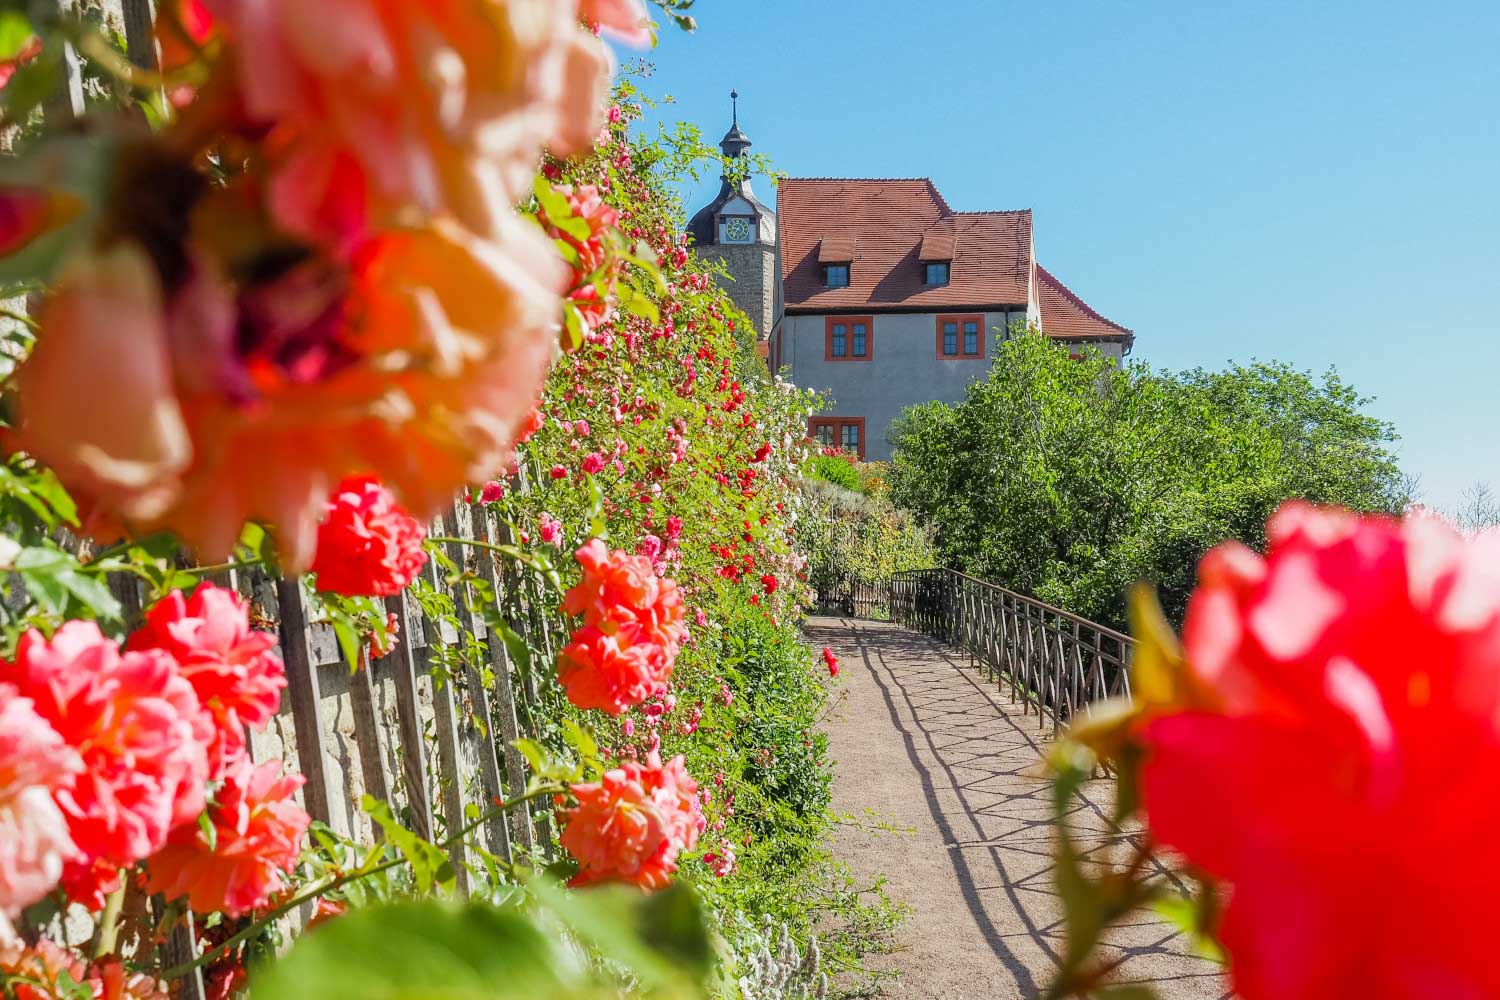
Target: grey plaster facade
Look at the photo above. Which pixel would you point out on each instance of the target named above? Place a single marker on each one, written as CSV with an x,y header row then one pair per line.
x,y
903,368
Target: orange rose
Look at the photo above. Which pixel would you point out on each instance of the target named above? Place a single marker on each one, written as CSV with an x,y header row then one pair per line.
x,y
419,365
446,106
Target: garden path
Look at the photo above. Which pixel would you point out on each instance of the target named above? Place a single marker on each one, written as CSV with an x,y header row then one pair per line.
x,y
939,778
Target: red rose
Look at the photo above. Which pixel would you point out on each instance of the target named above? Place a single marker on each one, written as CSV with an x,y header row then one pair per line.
x,y
1335,764
368,545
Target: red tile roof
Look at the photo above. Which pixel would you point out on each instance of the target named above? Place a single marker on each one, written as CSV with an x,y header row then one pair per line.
x,y
1067,317
887,221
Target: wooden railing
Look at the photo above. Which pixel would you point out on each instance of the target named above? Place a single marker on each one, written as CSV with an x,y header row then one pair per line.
x,y
1053,661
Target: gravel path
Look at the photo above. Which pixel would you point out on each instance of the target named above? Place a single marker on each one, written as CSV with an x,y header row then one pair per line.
x,y
939,774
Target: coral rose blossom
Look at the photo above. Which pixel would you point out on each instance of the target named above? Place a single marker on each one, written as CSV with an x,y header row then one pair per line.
x,y
417,363
631,825
236,672
447,106
369,546
34,841
257,836
136,724
1332,765
632,628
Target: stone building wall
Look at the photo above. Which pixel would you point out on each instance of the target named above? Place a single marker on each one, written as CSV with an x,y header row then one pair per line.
x,y
752,269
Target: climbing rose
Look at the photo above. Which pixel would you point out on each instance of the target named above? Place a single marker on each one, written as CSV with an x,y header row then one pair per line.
x,y
136,724
535,421
722,864
768,583
1341,726
381,646
631,825
549,528
257,835
831,661
620,589
414,360
609,672
63,976
369,546
34,841
235,671
447,106
632,628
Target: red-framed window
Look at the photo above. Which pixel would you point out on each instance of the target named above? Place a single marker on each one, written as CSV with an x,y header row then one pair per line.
x,y
960,337
843,433
848,338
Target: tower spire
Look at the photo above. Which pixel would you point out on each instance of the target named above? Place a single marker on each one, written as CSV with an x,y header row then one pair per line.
x,y
735,142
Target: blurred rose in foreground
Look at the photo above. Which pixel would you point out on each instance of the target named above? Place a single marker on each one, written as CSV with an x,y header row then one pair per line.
x,y
1335,755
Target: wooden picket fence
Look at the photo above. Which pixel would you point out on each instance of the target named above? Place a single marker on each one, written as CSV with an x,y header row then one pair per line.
x,y
427,728
1053,661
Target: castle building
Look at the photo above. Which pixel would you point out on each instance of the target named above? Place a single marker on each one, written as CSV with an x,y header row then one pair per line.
x,y
877,294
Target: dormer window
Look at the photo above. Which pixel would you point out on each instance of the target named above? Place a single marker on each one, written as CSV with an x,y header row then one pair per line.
x,y
835,255
936,255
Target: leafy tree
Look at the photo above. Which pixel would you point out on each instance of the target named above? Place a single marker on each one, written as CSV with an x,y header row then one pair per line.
x,y
1071,479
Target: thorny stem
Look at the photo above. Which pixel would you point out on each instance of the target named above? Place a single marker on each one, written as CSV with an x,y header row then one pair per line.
x,y
221,567
342,880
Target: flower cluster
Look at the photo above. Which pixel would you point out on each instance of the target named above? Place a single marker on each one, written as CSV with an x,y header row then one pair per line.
x,y
631,825
46,971
632,627
348,288
108,754
1329,742
582,235
253,838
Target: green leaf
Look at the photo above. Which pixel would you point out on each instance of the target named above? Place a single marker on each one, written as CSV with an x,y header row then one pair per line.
x,y
15,32
579,739
429,864
347,634
424,950
662,937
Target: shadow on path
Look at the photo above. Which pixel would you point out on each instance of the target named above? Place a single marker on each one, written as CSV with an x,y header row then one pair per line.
x,y
977,867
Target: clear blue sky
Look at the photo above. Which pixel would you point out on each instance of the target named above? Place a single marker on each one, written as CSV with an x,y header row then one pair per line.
x,y
1318,183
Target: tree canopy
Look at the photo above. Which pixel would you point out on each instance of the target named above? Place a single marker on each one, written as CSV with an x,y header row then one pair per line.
x,y
1070,479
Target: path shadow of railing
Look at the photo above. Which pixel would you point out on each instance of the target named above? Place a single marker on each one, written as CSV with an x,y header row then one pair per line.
x,y
980,767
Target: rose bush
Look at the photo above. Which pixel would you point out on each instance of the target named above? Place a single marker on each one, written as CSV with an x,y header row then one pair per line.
x,y
310,302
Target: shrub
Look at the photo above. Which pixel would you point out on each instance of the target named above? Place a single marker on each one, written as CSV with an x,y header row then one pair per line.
x,y
1072,479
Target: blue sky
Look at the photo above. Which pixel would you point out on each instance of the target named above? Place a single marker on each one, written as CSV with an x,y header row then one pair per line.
x,y
1317,183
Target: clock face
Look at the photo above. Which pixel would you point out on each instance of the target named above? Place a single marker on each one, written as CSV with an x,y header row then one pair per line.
x,y
737,230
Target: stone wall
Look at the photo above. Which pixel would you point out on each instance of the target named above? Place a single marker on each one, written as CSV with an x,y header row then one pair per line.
x,y
752,271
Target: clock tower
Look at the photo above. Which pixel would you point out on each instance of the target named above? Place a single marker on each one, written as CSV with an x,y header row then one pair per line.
x,y
738,230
